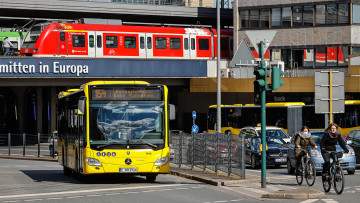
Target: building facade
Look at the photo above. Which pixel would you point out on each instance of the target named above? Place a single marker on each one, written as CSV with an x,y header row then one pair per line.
x,y
311,35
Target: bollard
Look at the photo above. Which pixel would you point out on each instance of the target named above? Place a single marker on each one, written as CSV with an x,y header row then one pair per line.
x,y
180,148
242,157
24,143
229,136
216,151
205,158
38,144
192,150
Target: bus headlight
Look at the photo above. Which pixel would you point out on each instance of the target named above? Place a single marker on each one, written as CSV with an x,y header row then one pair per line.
x,y
161,161
315,153
351,152
93,162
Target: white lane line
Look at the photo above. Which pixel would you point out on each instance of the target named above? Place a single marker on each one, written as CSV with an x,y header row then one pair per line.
x,y
73,197
110,194
181,188
10,201
330,201
221,201
236,200
54,198
32,200
149,191
309,201
93,195
84,191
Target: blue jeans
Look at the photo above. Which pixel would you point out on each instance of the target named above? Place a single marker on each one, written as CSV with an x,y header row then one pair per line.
x,y
7,49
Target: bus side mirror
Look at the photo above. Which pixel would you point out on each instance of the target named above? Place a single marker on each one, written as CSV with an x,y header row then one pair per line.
x,y
81,105
172,111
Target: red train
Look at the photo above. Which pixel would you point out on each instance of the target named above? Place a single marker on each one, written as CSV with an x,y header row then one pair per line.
x,y
121,41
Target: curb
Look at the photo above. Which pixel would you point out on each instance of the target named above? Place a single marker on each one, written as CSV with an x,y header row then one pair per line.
x,y
29,158
295,194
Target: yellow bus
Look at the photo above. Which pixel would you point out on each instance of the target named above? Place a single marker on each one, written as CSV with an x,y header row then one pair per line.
x,y
114,127
234,117
287,115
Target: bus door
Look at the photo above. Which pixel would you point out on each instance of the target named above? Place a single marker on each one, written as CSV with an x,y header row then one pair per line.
x,y
99,45
142,48
149,46
192,46
62,44
91,45
186,47
81,133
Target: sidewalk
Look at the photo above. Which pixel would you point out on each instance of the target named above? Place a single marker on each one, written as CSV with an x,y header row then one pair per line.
x,y
250,187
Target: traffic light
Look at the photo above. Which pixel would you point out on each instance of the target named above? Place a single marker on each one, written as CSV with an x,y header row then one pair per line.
x,y
276,81
260,82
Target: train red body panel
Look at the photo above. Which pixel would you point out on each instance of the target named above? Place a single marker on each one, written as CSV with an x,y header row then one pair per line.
x,y
119,41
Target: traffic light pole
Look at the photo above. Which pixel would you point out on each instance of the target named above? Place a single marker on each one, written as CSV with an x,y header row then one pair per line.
x,y
263,119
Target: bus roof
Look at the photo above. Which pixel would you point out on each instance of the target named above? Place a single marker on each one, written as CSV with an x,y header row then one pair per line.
x,y
233,105
112,82
286,104
64,93
352,101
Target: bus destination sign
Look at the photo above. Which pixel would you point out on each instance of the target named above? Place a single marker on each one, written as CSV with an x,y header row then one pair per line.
x,y
126,93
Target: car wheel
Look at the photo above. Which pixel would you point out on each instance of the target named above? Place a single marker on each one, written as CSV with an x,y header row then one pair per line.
x,y
290,169
351,171
253,162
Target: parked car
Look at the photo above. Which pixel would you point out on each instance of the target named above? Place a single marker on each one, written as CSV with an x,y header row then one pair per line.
x,y
270,131
354,138
276,152
53,143
347,162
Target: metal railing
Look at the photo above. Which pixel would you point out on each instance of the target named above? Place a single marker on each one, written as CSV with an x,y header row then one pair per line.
x,y
26,144
214,151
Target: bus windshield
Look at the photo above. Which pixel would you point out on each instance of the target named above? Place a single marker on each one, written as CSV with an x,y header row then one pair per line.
x,y
31,37
121,124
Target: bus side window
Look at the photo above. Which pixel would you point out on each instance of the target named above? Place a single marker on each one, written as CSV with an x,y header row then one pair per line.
x,y
142,42
192,44
62,36
98,41
149,42
186,43
91,41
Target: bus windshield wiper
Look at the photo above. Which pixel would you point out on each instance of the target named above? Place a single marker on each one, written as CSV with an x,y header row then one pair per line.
x,y
109,144
146,143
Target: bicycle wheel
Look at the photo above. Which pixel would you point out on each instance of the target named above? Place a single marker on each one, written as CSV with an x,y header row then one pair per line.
x,y
310,173
326,183
339,180
299,174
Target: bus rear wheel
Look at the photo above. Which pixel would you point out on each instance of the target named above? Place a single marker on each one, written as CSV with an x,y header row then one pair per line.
x,y
151,177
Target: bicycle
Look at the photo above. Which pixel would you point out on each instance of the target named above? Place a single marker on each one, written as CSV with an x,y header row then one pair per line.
x,y
335,175
306,169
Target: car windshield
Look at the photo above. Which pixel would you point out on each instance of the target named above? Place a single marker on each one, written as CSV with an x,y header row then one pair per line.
x,y
317,136
277,133
123,123
274,141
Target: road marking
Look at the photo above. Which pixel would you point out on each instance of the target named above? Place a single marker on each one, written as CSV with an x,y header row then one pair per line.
x,y
73,197
84,191
309,201
32,200
330,201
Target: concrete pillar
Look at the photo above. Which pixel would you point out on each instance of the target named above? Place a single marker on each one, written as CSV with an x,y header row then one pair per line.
x,y
53,108
236,23
20,106
39,109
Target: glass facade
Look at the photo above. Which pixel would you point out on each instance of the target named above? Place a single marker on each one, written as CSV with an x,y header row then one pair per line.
x,y
276,17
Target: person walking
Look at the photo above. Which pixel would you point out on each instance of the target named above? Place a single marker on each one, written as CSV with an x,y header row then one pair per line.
x,y
7,45
303,139
331,137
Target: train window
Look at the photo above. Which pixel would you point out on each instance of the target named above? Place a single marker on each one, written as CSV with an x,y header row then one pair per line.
x,y
91,41
186,43
203,44
160,42
98,41
62,36
130,42
111,42
175,43
142,42
78,40
192,44
149,43
223,44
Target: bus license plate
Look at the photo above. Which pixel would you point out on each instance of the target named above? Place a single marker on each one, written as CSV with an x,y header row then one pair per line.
x,y
128,170
280,160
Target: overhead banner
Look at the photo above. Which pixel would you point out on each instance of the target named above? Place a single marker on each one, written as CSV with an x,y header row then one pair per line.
x,y
65,67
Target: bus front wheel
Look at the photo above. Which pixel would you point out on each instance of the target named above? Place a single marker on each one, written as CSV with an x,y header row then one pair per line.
x,y
151,177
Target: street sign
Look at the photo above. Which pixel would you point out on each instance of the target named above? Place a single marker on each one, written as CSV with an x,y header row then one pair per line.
x,y
256,36
194,115
329,87
243,56
195,129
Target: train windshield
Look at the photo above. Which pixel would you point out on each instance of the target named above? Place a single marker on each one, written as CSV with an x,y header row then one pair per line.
x,y
32,36
119,124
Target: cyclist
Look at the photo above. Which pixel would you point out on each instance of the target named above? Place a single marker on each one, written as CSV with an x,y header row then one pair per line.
x,y
303,139
331,137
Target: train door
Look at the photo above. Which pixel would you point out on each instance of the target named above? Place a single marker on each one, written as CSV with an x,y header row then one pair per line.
x,y
91,45
149,46
99,45
192,46
142,49
186,46
62,44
